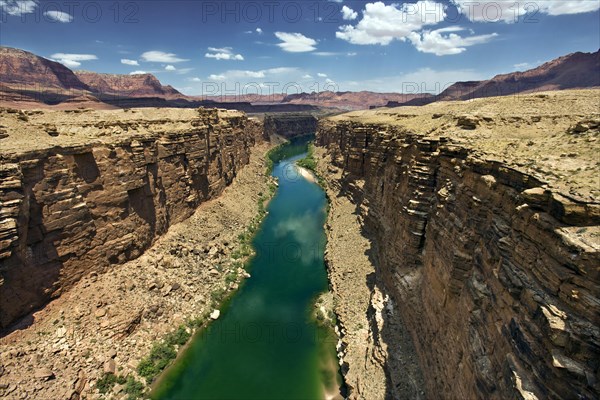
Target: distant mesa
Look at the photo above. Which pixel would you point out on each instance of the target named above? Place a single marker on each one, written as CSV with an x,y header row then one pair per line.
x,y
142,85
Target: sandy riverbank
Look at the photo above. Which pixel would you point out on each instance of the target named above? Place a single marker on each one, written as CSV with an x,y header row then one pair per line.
x,y
306,174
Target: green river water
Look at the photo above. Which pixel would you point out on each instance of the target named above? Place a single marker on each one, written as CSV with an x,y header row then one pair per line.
x,y
266,344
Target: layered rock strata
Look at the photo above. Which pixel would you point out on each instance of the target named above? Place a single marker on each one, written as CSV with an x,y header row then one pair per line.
x,y
491,258
290,124
83,191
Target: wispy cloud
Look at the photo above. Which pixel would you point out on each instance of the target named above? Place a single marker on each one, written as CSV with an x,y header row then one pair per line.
x,y
183,71
248,74
72,60
438,43
59,16
223,53
321,75
326,53
509,11
129,62
522,66
295,42
424,80
160,56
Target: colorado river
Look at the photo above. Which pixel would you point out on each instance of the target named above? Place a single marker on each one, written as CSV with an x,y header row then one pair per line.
x,y
266,344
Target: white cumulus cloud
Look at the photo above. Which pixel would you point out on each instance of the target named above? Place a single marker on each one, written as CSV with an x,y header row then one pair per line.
x,y
381,23
160,56
59,16
129,62
72,60
259,31
349,14
170,68
223,53
442,44
138,72
510,11
18,7
321,75
295,42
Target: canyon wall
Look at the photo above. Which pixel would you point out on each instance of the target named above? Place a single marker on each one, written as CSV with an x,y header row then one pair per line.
x,y
290,124
494,272
95,189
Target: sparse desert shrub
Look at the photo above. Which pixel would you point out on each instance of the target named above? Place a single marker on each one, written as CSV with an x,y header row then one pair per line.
x,y
107,381
133,388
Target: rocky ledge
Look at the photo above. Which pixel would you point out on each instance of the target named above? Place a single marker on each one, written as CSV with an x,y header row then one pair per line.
x,y
477,232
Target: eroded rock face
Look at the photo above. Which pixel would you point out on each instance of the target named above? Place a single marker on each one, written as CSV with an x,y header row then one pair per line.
x,y
141,85
74,209
290,125
495,274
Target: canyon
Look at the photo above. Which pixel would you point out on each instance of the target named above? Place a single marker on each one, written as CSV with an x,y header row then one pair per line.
x,y
462,247
472,229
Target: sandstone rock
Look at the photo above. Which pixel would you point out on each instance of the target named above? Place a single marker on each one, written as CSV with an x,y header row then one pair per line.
x,y
467,122
536,196
60,332
110,367
118,388
99,313
44,374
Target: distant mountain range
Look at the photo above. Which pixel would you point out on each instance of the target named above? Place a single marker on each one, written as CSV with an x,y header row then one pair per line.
x,y
573,71
31,81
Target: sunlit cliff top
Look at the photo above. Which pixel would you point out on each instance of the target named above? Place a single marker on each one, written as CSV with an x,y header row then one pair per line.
x,y
552,135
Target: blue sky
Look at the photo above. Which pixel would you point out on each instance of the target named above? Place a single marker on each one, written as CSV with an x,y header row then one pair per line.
x,y
217,47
